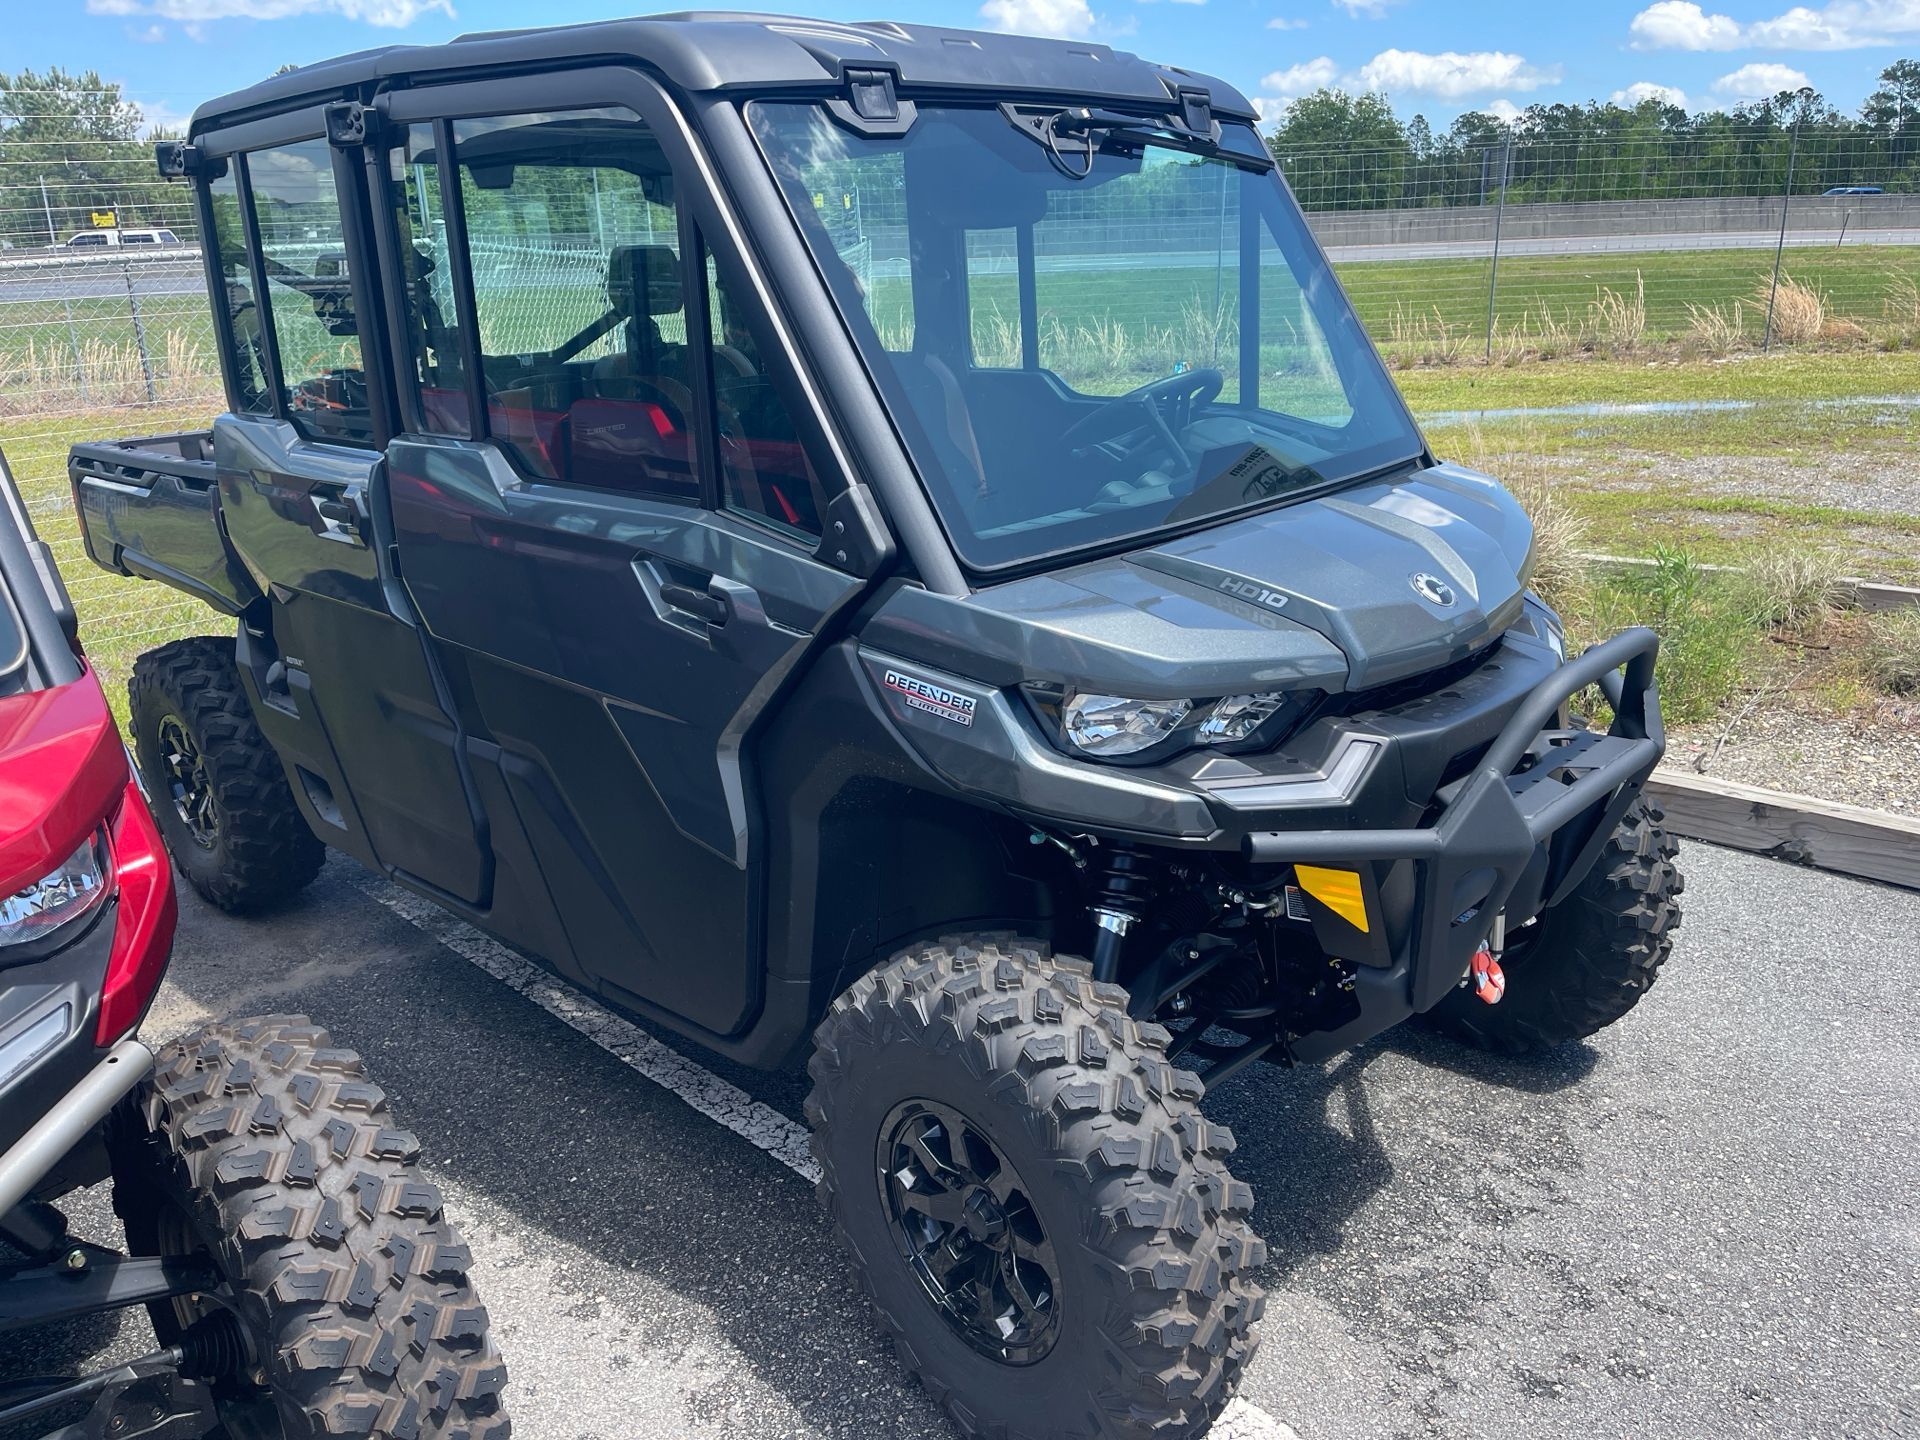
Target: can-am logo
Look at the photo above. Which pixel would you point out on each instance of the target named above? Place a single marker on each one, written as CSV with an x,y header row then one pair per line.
x,y
1252,592
932,699
1433,590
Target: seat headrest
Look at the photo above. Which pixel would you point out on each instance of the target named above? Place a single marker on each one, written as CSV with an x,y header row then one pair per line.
x,y
644,279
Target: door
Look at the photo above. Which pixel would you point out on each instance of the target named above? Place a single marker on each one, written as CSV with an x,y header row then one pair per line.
x,y
606,515
345,687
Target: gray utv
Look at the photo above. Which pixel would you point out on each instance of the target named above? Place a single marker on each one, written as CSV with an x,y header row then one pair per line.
x,y
886,545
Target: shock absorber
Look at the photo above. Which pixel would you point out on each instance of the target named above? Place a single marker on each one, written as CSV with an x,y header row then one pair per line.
x,y
1123,886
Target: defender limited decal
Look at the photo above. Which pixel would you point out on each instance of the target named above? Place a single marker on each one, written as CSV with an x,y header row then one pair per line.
x,y
935,700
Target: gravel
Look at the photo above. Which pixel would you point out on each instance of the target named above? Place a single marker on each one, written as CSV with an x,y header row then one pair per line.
x,y
1870,758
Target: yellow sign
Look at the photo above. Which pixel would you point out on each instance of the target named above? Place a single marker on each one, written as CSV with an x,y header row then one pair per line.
x,y
105,219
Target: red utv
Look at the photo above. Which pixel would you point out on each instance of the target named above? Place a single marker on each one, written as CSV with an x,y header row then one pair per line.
x,y
298,1272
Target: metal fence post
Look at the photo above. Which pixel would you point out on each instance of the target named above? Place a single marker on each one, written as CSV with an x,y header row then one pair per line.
x,y
1779,248
1499,212
139,330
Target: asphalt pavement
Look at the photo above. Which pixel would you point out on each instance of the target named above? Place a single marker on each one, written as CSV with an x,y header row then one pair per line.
x,y
1701,1224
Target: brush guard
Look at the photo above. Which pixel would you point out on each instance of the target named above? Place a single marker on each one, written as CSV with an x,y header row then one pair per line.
x,y
1539,784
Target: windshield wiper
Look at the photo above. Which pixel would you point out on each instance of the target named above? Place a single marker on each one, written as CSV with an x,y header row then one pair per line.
x,y
1073,135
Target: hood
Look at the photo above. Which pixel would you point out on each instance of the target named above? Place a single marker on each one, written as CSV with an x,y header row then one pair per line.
x,y
62,771
1351,590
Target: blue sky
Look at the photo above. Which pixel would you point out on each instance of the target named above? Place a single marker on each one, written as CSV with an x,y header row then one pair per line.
x,y
1427,55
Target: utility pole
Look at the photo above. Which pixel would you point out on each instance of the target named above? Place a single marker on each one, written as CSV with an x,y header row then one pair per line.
x,y
1499,213
1779,248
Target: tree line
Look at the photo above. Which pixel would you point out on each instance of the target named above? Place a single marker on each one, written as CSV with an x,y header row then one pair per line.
x,y
1352,152
72,145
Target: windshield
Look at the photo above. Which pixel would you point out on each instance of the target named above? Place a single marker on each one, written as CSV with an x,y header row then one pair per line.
x,y
1086,335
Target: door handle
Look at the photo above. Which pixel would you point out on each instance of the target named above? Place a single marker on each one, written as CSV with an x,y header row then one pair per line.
x,y
701,604
338,514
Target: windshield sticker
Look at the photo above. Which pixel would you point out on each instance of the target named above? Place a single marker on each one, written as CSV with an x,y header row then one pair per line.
x,y
932,699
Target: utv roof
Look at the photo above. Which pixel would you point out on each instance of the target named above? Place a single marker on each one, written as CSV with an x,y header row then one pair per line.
x,y
699,51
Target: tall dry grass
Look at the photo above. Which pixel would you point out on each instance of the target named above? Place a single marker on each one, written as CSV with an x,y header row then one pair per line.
x,y
1619,321
1561,537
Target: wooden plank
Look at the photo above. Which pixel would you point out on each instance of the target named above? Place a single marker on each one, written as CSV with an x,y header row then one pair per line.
x,y
1869,595
1844,838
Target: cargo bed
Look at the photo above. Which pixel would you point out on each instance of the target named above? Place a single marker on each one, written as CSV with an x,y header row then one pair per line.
x,y
149,508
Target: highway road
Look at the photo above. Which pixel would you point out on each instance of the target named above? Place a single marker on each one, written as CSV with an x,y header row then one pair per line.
x,y
175,273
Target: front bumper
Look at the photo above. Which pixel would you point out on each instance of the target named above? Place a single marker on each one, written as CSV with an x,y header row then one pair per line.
x,y
1522,827
1452,804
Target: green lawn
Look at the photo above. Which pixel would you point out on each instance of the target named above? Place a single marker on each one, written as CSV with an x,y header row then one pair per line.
x,y
1620,473
1783,375
118,617
1629,477
1393,296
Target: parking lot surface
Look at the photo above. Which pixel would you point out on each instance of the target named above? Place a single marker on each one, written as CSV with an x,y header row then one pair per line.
x,y
1701,1224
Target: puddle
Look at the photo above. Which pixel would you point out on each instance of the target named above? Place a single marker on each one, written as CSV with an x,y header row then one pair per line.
x,y
1608,409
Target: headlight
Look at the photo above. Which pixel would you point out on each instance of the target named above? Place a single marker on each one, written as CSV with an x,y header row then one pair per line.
x,y
1237,717
1113,725
57,899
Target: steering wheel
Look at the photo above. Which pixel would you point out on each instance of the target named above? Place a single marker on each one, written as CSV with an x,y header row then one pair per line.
x,y
1182,394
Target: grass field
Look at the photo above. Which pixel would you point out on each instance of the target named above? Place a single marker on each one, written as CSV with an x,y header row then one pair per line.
x,y
1795,470
1563,299
1121,324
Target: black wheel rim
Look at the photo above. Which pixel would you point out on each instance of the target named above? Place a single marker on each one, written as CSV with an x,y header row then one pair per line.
x,y
184,772
244,1403
964,1223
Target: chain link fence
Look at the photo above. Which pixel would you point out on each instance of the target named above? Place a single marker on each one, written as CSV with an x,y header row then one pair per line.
x,y
1537,245
1526,247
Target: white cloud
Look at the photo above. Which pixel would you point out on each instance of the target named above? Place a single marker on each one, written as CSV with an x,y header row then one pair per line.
x,y
158,115
1642,91
1284,86
1189,2
1759,82
1365,9
1505,111
1682,25
1837,25
1281,22
1450,75
1061,19
390,14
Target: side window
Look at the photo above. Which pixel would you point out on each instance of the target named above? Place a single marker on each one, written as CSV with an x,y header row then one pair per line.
x,y
764,469
993,298
309,300
88,241
235,308
573,246
436,356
